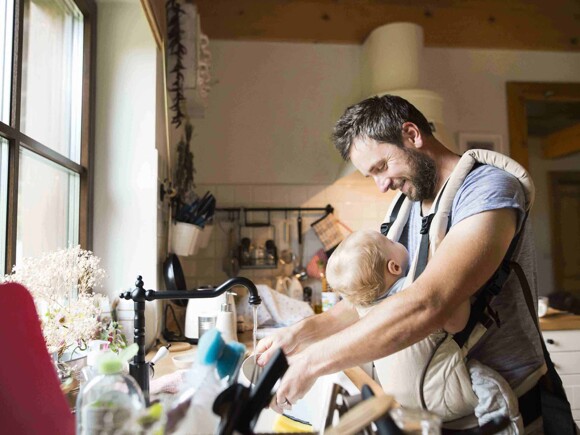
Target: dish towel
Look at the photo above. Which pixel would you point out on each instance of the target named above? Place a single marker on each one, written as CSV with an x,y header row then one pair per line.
x,y
276,309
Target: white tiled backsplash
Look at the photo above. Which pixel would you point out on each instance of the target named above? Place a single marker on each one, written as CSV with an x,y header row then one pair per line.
x,y
356,201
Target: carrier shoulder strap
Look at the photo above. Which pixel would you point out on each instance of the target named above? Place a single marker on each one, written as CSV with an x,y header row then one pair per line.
x,y
393,213
423,254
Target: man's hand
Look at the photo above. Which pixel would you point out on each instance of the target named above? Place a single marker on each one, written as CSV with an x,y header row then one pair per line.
x,y
299,336
296,382
285,338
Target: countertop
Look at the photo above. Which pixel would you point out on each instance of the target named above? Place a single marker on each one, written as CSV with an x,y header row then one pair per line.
x,y
166,366
556,320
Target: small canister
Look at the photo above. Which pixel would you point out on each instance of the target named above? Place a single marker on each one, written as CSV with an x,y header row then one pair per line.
x,y
205,323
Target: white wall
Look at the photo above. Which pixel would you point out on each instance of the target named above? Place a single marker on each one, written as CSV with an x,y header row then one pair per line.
x,y
271,110
125,220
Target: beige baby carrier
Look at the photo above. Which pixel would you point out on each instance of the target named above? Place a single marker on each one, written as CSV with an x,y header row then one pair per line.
x,y
432,374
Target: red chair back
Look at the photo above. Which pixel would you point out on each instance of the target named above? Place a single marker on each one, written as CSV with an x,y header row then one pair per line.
x,y
31,401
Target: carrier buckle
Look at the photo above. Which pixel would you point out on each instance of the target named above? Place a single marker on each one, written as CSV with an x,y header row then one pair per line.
x,y
426,223
386,226
494,315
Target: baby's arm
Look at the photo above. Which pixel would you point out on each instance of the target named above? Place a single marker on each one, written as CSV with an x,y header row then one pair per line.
x,y
458,319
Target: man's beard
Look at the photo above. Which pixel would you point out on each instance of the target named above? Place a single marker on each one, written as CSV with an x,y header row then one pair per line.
x,y
424,175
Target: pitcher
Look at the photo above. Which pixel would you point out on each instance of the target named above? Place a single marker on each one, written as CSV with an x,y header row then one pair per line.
x,y
283,285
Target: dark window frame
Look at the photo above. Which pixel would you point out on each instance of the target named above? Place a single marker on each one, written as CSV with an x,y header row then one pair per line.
x,y
17,140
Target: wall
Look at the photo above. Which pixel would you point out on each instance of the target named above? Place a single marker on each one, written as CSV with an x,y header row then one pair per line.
x,y
472,82
272,102
126,161
540,215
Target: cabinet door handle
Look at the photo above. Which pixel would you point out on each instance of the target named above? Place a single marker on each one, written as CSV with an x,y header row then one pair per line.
x,y
550,341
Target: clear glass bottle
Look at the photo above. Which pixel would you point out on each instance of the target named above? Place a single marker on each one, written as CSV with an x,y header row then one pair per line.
x,y
109,402
216,361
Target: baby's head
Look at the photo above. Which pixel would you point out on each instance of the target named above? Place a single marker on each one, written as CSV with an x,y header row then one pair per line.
x,y
365,265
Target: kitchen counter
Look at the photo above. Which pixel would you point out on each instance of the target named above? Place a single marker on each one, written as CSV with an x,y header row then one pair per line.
x,y
166,366
556,320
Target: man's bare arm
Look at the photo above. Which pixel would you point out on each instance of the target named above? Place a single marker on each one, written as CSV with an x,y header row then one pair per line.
x,y
300,335
465,260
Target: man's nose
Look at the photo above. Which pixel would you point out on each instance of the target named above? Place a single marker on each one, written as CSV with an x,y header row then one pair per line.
x,y
383,183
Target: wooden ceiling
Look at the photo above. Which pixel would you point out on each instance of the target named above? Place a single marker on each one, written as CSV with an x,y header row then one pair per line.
x,y
552,25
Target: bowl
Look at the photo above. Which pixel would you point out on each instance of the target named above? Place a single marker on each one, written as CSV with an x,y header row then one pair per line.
x,y
184,361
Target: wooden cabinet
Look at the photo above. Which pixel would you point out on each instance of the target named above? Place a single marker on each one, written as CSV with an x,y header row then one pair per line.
x,y
564,347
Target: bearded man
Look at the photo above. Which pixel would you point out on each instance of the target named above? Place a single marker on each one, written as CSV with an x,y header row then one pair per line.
x,y
389,140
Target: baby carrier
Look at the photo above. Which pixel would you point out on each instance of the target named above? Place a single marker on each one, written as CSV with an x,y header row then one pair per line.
x,y
433,373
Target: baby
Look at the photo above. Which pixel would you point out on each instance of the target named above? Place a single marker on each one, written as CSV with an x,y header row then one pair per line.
x,y
367,267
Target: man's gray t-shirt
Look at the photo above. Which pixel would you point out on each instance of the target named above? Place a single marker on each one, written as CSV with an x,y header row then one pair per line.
x,y
513,350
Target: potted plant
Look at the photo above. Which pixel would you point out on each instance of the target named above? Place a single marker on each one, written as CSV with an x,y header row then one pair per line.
x,y
185,232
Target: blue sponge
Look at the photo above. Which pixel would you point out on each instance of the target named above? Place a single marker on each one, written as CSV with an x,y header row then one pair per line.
x,y
230,359
210,347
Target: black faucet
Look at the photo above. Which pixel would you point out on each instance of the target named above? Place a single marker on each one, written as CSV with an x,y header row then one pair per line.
x,y
139,368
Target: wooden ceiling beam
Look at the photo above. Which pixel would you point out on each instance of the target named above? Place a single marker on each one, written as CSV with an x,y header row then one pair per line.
x,y
500,24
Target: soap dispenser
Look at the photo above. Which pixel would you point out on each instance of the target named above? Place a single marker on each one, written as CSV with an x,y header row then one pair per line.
x,y
226,321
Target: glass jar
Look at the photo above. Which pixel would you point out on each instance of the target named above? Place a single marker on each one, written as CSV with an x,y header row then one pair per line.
x,y
259,256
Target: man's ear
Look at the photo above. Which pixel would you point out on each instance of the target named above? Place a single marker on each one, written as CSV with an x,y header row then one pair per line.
x,y
394,268
412,134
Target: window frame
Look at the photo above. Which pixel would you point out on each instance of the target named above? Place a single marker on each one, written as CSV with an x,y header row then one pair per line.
x,y
17,140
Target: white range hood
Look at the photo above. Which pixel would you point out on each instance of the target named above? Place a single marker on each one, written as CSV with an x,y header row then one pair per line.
x,y
392,64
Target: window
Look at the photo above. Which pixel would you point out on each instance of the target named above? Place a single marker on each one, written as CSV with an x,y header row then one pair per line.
x,y
46,74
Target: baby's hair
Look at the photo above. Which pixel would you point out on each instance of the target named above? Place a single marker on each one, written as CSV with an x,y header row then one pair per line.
x,y
356,269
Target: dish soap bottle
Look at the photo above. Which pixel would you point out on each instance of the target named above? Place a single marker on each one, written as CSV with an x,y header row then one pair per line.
x,y
111,401
226,321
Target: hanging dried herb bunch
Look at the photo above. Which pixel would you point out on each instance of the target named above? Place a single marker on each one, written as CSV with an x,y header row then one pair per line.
x,y
175,48
185,170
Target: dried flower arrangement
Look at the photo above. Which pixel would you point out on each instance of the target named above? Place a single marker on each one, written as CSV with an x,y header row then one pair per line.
x,y
61,284
185,169
176,47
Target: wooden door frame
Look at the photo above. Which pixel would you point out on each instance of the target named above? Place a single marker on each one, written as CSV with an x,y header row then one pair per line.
x,y
518,93
558,177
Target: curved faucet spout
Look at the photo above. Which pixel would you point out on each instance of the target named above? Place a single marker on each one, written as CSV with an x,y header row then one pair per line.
x,y
139,294
139,369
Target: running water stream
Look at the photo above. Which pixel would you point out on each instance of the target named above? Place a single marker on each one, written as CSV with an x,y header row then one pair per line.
x,y
255,330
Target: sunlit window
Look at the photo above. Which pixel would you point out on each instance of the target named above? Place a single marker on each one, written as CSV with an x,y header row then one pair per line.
x,y
45,115
51,79
3,200
47,206
6,42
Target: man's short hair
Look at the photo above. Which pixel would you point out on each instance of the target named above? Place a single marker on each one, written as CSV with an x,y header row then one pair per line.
x,y
378,118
